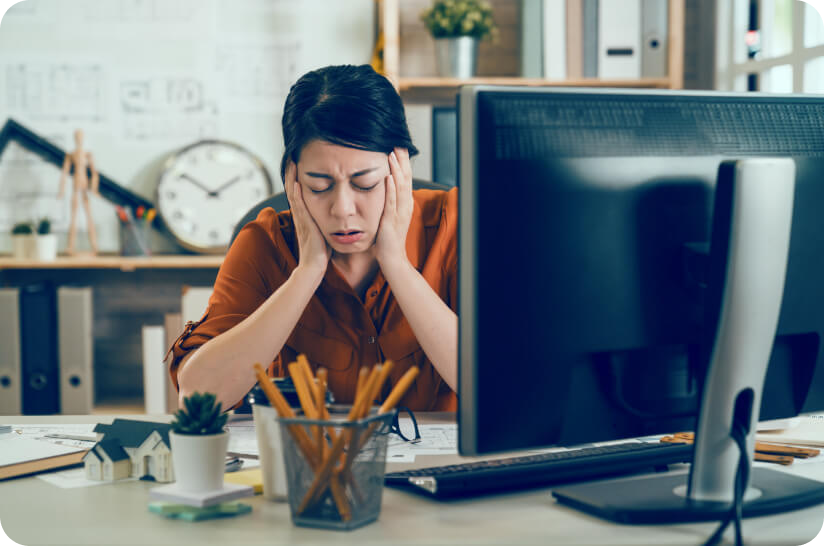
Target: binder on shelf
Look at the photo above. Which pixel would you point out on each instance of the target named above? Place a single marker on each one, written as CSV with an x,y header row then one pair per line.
x,y
555,31
575,39
154,370
589,48
532,33
619,39
11,393
75,344
654,38
38,346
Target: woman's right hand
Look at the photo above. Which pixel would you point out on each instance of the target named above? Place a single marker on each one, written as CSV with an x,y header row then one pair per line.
x,y
314,252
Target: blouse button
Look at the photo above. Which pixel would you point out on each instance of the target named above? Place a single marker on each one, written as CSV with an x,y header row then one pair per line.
x,y
371,339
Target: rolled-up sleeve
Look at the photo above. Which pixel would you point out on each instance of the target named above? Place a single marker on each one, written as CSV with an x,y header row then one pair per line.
x,y
254,267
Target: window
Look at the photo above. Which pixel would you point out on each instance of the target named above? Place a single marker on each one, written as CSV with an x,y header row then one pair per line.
x,y
770,45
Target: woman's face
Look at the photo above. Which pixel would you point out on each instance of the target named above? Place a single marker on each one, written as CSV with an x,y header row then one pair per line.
x,y
344,192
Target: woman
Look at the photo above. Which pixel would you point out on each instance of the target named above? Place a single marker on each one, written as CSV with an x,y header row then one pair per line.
x,y
362,269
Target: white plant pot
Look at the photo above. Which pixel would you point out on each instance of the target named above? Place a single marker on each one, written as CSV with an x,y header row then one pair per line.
x,y
23,246
45,247
199,461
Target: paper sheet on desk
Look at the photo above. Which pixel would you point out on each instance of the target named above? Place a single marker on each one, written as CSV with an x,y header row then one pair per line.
x,y
15,449
441,439
808,432
76,477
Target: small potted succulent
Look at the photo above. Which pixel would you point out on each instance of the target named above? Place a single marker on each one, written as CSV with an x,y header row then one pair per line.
x,y
22,240
199,444
45,244
457,26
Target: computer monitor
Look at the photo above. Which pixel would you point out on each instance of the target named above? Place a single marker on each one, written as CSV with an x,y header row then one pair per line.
x,y
586,312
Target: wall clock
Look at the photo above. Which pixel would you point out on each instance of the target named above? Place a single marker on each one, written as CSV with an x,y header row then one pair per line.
x,y
205,189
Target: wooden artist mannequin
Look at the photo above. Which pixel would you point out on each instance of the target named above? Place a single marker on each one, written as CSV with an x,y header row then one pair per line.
x,y
81,160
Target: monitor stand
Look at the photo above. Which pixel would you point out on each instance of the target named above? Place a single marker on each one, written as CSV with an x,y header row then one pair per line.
x,y
748,260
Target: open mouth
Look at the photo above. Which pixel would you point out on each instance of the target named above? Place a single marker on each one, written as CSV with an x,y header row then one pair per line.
x,y
347,237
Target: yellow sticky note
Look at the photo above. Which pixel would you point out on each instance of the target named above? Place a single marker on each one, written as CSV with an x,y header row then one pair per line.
x,y
252,477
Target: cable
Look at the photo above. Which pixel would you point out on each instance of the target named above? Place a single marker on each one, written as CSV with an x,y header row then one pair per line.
x,y
742,475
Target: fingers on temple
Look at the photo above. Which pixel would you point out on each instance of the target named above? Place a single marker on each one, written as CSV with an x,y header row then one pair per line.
x,y
403,160
391,192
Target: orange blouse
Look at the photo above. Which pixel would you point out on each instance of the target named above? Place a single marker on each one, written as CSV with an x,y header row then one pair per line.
x,y
337,330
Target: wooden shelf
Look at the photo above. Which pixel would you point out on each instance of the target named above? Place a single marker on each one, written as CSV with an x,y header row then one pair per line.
x,y
442,90
124,263
432,83
119,406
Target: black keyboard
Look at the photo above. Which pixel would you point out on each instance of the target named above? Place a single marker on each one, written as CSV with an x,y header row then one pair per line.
x,y
497,475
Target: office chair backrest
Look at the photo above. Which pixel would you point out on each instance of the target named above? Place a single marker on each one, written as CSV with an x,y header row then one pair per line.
x,y
279,202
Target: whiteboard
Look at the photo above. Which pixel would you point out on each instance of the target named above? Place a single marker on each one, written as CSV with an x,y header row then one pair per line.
x,y
144,78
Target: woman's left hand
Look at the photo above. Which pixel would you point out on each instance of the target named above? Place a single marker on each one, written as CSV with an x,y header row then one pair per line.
x,y
390,243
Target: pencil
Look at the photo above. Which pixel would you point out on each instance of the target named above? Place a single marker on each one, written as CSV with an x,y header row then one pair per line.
x,y
400,389
284,410
363,373
397,393
298,433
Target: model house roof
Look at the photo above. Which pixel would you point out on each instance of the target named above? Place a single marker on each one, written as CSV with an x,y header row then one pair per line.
x,y
132,433
92,453
112,448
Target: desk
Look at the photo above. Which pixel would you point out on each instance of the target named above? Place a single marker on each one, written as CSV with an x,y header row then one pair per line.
x,y
35,512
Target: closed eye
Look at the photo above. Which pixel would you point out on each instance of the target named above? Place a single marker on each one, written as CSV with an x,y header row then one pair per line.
x,y
321,191
365,189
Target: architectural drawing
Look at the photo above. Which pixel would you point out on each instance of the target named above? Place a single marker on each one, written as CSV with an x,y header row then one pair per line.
x,y
166,108
61,92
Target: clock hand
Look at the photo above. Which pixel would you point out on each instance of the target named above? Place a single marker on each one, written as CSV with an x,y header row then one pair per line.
x,y
196,183
226,185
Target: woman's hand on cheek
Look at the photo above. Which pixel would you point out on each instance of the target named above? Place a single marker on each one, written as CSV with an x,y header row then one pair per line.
x,y
390,244
314,252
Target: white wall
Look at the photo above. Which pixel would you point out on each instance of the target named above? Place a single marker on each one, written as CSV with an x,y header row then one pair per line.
x,y
143,78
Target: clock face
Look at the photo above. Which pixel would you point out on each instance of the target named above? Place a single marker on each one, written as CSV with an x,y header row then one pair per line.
x,y
205,189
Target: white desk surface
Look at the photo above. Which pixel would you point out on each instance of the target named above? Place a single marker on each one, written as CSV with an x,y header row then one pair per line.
x,y
35,512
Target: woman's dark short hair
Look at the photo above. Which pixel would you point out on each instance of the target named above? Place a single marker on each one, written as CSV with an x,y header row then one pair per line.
x,y
348,105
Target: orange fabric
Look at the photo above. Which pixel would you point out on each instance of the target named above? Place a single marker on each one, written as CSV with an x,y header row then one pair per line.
x,y
337,330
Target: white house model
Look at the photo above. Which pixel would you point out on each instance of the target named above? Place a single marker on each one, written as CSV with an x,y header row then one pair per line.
x,y
131,449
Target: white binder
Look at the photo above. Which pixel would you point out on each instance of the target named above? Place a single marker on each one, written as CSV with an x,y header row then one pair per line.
x,y
654,38
75,339
532,39
154,371
11,393
619,39
555,39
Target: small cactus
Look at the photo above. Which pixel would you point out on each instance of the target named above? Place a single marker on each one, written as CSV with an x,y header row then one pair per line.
x,y
44,226
200,415
22,228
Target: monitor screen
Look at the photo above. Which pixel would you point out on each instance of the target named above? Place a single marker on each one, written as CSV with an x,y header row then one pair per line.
x,y
585,219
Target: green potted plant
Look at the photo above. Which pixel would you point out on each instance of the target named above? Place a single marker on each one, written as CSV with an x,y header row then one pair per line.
x,y
22,236
199,442
45,243
457,26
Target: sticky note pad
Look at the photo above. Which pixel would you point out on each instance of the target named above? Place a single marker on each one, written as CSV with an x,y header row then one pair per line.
x,y
195,513
252,477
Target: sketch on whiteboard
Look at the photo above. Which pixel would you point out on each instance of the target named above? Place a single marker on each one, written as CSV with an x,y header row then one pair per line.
x,y
166,108
60,92
141,11
28,188
256,78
